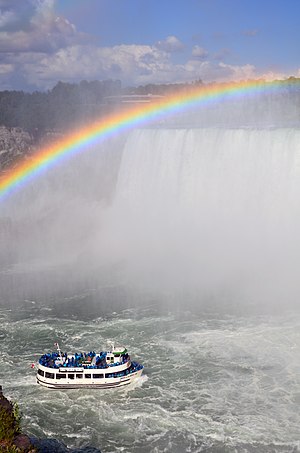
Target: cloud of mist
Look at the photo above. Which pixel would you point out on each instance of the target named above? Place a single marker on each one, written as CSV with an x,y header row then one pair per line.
x,y
203,210
210,210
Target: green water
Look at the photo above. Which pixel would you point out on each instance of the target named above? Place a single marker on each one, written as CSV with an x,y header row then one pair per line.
x,y
212,382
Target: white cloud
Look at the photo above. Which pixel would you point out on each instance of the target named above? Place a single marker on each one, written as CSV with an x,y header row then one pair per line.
x,y
32,26
6,68
199,52
219,72
170,44
128,63
38,48
132,64
276,75
243,72
7,18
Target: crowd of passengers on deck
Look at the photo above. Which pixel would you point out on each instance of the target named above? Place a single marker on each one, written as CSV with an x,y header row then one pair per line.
x,y
89,360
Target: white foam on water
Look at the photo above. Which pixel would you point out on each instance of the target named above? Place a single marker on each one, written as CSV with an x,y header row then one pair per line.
x,y
220,381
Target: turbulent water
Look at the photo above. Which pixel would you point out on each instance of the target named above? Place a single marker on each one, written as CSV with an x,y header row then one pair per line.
x,y
182,245
211,382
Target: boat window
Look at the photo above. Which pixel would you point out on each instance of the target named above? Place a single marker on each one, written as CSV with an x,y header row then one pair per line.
x,y
88,376
79,376
49,375
97,376
61,376
71,376
114,375
41,372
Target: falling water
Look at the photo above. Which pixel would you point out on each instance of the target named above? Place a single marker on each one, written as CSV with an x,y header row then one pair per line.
x,y
209,209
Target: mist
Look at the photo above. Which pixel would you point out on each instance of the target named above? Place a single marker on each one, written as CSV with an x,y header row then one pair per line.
x,y
203,205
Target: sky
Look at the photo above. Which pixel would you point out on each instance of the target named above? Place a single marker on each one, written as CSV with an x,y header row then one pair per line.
x,y
146,41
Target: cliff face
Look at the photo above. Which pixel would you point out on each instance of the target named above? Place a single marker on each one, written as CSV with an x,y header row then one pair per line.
x,y
15,143
11,438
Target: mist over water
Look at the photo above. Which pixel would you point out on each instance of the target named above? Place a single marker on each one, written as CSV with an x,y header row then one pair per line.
x,y
210,210
180,241
206,211
203,202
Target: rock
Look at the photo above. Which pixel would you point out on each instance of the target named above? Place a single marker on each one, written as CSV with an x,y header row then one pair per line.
x,y
48,445
22,441
15,143
7,405
55,446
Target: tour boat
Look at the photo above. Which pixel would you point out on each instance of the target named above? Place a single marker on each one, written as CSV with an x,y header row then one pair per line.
x,y
108,369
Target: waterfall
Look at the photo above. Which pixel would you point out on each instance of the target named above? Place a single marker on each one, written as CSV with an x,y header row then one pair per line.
x,y
210,209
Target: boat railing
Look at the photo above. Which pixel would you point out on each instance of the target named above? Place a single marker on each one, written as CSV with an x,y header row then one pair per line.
x,y
54,360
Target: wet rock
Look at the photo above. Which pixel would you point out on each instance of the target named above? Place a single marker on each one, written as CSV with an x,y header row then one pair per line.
x,y
22,442
11,438
55,446
48,445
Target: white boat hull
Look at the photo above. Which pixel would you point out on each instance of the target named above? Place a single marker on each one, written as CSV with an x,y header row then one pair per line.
x,y
89,383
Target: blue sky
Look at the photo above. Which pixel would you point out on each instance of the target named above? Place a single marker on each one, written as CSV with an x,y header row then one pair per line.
x,y
141,42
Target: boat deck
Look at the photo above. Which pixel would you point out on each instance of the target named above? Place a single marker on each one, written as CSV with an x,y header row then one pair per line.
x,y
90,360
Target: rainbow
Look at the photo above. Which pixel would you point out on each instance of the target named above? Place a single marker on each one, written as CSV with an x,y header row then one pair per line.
x,y
42,160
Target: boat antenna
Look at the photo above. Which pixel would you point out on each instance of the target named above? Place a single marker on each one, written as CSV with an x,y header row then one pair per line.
x,y
59,351
111,344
